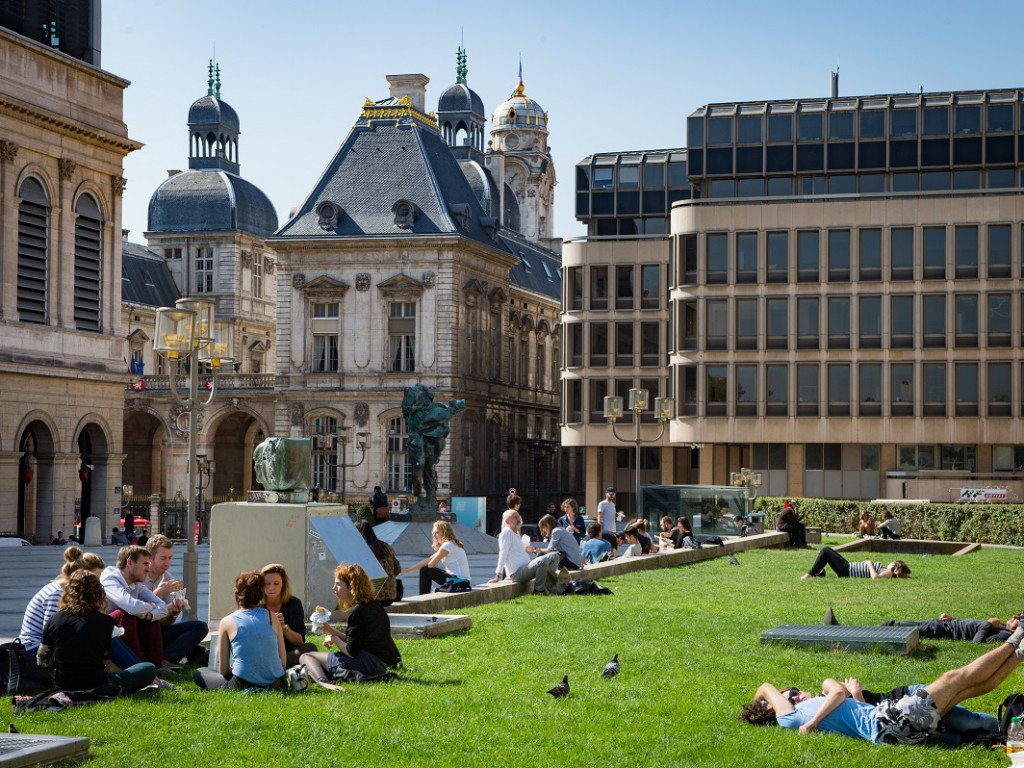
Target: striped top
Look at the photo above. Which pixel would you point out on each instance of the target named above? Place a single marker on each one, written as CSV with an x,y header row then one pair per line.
x,y
40,608
860,570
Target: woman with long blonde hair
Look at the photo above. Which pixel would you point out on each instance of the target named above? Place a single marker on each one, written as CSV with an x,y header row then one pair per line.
x,y
365,650
448,563
287,611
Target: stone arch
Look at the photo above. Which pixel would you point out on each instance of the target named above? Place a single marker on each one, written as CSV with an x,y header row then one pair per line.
x,y
90,188
37,172
92,445
147,437
229,437
37,439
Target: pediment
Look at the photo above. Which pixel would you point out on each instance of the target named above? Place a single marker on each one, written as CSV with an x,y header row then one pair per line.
x,y
325,285
401,283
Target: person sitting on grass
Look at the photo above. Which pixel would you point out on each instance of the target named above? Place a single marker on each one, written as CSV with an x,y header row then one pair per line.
x,y
890,526
448,563
866,525
287,611
844,569
76,640
562,541
514,561
681,531
572,520
633,547
595,547
365,650
907,720
250,644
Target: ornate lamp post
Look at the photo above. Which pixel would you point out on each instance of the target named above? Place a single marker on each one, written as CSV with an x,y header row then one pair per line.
x,y
326,444
638,399
188,334
749,479
205,467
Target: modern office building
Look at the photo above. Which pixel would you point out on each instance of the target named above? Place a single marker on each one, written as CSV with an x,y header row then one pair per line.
x,y
844,293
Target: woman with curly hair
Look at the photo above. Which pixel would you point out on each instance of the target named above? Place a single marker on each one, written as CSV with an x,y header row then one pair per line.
x,y
250,644
76,640
448,563
365,650
44,603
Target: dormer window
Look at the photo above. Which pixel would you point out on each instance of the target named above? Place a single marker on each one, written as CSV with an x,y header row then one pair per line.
x,y
405,213
329,215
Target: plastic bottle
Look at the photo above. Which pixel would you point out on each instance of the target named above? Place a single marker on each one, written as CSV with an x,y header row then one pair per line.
x,y
1015,736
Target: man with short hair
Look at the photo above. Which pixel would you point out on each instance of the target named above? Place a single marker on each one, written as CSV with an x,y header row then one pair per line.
x,y
379,502
117,538
513,561
595,547
181,639
133,605
606,514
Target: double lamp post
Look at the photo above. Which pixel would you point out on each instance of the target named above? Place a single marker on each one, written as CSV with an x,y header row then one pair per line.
x,y
638,403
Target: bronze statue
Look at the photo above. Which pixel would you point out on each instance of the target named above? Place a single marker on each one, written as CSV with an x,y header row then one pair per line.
x,y
427,425
282,468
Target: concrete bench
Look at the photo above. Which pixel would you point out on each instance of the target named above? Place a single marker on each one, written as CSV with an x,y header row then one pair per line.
x,y
902,640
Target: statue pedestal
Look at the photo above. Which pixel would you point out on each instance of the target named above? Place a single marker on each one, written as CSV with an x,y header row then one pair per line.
x,y
309,540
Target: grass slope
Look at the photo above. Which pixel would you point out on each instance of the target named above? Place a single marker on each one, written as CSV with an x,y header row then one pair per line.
x,y
688,641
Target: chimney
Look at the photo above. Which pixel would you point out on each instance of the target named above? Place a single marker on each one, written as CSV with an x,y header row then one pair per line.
x,y
413,86
834,84
172,172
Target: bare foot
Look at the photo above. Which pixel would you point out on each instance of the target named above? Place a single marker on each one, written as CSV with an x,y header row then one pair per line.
x,y
806,576
328,686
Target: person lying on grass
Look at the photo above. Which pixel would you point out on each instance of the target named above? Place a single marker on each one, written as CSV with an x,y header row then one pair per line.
x,y
844,569
976,630
907,720
365,650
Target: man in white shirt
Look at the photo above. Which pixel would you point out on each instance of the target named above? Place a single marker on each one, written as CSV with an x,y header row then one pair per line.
x,y
180,638
514,561
606,511
133,605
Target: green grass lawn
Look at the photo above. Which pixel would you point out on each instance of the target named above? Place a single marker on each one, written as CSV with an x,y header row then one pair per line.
x,y
688,641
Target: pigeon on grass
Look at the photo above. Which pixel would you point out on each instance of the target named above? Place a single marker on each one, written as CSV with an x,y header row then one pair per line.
x,y
562,689
611,669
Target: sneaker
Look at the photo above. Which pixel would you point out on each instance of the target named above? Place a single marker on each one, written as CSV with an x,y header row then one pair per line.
x,y
298,677
170,666
164,685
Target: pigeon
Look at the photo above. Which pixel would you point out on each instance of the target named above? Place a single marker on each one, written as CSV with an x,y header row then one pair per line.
x,y
733,560
12,729
562,689
611,669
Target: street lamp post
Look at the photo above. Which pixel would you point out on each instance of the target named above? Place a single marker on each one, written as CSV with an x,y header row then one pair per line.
x,y
638,398
188,334
205,467
749,479
327,443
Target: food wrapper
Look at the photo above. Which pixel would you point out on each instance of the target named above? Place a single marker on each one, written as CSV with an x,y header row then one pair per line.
x,y
180,595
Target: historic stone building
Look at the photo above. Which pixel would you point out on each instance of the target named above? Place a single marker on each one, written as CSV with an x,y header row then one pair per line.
x,y
61,370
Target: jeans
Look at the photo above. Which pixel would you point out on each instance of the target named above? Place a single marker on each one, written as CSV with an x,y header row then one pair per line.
x,y
544,569
133,679
181,637
887,534
122,655
831,558
429,576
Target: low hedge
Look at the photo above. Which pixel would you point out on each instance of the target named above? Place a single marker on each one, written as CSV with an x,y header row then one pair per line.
x,y
982,523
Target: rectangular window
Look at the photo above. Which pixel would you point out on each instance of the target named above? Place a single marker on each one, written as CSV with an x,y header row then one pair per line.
x,y
807,257
624,344
778,257
934,253
599,287
933,320
777,323
172,254
689,390
204,270
257,274
574,285
746,390
901,322
650,286
870,386
717,390
838,389
688,325
325,309
399,467
776,390
933,377
807,389
901,389
598,391
325,353
807,323
746,323
575,351
653,387
689,259
839,255
746,257
717,269
901,254
999,389
966,389
966,252
624,286
999,320
869,320
598,344
999,250
716,333
839,322
650,343
402,336
574,401
965,310
870,254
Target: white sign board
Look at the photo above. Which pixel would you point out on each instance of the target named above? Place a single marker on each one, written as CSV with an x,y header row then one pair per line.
x,y
983,495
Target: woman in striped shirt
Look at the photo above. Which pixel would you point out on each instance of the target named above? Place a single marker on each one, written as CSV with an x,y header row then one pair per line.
x,y
868,569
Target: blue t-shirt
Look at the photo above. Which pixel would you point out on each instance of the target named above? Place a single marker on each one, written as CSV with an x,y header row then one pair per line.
x,y
851,718
594,548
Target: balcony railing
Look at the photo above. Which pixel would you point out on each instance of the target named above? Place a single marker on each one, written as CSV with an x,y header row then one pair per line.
x,y
225,381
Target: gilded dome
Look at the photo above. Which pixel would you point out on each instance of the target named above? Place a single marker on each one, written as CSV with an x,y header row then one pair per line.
x,y
519,111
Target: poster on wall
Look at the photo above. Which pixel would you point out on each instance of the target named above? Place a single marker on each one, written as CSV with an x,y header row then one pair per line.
x,y
983,495
471,511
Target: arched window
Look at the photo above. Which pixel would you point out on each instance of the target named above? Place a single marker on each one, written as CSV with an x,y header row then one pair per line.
x,y
399,469
88,258
325,453
33,261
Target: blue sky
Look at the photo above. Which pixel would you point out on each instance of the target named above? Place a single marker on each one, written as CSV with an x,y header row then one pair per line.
x,y
612,75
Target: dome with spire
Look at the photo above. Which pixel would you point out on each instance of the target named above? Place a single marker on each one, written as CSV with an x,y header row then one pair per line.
x,y
210,110
519,111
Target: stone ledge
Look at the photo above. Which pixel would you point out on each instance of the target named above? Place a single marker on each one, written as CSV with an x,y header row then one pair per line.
x,y
481,594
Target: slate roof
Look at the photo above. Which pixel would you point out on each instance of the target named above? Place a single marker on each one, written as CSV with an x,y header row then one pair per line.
x,y
197,201
209,110
539,270
145,278
460,98
393,153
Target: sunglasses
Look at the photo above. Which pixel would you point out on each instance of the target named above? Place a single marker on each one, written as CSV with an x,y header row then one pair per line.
x,y
791,694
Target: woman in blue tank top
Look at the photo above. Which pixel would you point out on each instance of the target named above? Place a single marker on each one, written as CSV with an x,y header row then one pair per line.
x,y
250,643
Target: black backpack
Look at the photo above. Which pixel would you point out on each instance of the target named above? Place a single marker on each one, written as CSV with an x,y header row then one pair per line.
x,y
18,670
1012,706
